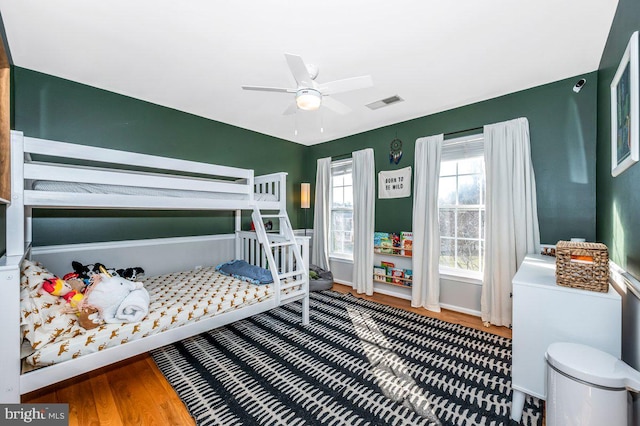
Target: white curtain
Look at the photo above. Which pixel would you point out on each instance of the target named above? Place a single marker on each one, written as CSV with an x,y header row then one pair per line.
x,y
426,230
322,214
364,197
511,220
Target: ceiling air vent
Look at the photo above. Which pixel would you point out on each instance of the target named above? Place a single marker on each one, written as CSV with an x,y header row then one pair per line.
x,y
384,102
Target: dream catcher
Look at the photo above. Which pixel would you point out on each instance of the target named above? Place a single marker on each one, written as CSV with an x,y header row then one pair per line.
x,y
395,151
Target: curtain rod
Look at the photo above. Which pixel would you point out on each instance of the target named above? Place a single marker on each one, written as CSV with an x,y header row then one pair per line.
x,y
341,156
347,155
463,131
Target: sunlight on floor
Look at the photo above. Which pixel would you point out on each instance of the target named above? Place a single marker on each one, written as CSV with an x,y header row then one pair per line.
x,y
391,373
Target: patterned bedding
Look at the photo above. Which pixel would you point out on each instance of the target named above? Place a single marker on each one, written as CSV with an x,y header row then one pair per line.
x,y
176,299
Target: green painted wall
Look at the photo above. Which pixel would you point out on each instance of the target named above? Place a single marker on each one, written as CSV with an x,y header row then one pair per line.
x,y
52,108
563,134
618,199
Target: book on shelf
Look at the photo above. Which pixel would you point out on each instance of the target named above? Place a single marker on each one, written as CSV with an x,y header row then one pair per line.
x,y
380,240
406,242
396,274
378,236
408,274
379,273
386,243
388,267
387,272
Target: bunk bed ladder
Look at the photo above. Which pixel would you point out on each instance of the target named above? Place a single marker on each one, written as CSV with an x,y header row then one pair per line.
x,y
283,256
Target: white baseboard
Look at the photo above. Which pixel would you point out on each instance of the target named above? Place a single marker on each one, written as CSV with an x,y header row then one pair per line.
x,y
392,293
461,310
343,282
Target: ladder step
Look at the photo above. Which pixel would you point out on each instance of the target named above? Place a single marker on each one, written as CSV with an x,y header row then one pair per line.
x,y
289,274
284,286
292,295
274,215
283,244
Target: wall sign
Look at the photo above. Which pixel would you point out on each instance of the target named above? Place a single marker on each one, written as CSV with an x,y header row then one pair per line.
x,y
394,183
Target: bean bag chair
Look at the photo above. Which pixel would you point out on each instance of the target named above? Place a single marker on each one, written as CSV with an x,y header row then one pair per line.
x,y
319,279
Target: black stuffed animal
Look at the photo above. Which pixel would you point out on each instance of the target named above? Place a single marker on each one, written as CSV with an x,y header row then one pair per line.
x,y
130,273
85,272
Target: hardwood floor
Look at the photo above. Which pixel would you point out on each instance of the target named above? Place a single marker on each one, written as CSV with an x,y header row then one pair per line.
x,y
131,392
134,391
445,315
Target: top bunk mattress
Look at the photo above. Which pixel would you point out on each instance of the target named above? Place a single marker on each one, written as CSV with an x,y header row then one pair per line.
x,y
94,188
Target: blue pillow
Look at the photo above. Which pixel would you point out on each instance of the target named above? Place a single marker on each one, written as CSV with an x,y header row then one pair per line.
x,y
242,270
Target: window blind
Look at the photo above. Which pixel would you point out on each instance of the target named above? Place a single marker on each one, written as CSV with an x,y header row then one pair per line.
x,y
463,147
342,167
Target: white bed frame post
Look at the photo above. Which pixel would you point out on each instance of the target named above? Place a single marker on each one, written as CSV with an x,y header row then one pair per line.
x,y
10,331
10,279
239,242
16,211
305,300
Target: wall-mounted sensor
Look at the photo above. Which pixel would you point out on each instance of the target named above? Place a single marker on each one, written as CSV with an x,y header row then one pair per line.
x,y
579,85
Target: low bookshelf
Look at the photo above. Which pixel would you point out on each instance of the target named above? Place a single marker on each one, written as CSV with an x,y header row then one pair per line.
x,y
392,267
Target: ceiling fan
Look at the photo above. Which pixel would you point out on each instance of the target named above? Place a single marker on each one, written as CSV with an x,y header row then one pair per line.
x,y
309,94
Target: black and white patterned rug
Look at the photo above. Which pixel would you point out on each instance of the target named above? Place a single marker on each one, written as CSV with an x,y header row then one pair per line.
x,y
357,363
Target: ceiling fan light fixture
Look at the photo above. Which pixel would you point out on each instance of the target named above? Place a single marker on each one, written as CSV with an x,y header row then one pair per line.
x,y
308,99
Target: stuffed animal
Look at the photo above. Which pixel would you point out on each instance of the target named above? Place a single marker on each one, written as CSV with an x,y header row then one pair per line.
x,y
88,318
85,272
131,273
75,282
70,291
106,293
57,287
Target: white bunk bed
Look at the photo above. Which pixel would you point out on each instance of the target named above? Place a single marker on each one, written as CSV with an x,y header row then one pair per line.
x,y
148,182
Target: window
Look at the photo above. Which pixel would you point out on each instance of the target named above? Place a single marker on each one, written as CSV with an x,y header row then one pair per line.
x,y
461,202
341,226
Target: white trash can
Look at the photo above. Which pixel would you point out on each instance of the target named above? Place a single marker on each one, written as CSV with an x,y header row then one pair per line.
x,y
587,387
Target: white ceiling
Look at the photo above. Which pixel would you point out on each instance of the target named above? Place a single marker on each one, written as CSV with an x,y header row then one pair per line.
x,y
193,55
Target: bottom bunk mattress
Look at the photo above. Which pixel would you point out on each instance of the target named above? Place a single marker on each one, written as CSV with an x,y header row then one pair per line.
x,y
175,299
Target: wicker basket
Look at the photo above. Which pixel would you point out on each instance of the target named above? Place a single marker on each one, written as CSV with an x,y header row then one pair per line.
x,y
582,265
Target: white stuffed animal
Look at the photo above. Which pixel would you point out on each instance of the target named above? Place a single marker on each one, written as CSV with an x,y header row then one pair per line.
x,y
106,293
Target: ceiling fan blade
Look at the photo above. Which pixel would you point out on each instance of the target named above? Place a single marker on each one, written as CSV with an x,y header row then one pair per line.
x,y
291,109
269,89
346,85
299,70
335,105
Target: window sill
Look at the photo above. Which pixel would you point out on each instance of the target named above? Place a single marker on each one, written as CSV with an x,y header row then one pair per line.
x,y
461,276
335,258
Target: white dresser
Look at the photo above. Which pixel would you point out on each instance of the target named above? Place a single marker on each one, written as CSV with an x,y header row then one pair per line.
x,y
544,313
